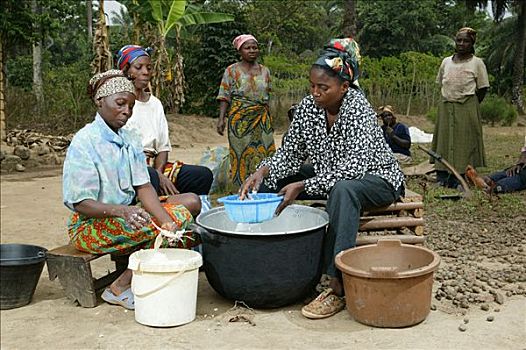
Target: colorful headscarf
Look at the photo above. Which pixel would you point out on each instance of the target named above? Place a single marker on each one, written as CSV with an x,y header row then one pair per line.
x,y
109,83
130,53
241,39
343,57
472,33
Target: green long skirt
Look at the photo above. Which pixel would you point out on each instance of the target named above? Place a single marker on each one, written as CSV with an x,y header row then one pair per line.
x,y
458,135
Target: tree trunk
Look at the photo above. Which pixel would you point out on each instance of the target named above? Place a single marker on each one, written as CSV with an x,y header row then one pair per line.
x,y
103,60
89,13
3,131
411,90
518,61
349,18
178,83
136,29
38,89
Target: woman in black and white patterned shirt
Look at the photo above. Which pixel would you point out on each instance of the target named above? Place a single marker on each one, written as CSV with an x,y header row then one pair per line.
x,y
336,128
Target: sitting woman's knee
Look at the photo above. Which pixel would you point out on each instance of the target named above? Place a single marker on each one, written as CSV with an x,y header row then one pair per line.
x,y
191,202
341,187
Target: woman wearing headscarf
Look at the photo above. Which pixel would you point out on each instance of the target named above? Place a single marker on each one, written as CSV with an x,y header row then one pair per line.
x,y
243,100
168,178
106,185
463,81
337,129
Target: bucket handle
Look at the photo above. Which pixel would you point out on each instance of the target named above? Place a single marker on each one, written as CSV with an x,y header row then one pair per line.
x,y
160,286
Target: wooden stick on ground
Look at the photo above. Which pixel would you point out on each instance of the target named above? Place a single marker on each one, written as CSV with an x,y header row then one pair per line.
x,y
463,183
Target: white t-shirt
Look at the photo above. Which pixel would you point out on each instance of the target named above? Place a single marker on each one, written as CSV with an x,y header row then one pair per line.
x,y
149,120
459,80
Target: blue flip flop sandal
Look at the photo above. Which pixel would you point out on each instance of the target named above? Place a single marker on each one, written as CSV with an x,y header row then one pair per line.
x,y
125,299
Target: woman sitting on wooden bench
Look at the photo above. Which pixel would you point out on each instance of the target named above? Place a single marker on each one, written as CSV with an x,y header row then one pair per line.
x,y
336,128
106,184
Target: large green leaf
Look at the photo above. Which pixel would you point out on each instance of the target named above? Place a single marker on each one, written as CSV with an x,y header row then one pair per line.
x,y
176,12
157,10
204,18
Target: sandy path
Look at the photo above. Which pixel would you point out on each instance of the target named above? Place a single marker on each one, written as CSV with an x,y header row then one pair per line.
x,y
32,212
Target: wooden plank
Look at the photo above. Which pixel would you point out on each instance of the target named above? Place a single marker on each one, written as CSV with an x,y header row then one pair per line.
x,y
380,223
74,274
73,269
69,250
400,206
407,239
418,230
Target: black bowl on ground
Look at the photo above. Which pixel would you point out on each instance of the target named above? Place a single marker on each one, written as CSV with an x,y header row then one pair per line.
x,y
265,265
20,269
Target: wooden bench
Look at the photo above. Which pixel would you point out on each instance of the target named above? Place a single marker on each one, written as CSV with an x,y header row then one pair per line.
x,y
73,269
406,213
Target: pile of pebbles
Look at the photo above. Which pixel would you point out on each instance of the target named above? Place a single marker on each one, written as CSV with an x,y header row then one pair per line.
x,y
27,149
483,261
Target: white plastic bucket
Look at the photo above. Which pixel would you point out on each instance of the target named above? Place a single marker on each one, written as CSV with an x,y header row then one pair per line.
x,y
164,284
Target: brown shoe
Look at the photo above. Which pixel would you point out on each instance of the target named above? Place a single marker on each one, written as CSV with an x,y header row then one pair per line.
x,y
325,305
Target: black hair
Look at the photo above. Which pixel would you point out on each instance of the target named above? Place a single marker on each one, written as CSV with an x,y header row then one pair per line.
x,y
331,73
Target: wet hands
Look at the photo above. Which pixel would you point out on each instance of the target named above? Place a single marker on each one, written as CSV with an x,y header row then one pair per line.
x,y
251,185
135,217
168,230
289,193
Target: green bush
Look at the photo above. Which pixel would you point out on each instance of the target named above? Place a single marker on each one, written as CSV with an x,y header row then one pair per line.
x,y
406,81
495,109
432,114
66,106
20,72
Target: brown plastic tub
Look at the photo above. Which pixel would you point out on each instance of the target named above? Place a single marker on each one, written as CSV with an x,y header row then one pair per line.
x,y
388,284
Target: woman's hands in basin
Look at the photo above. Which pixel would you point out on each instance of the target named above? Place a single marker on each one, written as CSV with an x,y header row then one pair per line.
x,y
253,182
289,193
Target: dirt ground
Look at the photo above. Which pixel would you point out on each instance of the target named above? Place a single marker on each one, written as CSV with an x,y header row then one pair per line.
x,y
32,212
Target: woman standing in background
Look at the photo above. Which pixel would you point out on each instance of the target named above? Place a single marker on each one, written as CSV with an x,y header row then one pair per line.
x,y
243,98
458,130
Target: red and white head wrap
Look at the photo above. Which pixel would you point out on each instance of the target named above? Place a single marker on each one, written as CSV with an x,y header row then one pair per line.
x,y
241,39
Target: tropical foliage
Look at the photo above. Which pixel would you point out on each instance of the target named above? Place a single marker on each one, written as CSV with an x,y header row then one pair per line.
x,y
402,43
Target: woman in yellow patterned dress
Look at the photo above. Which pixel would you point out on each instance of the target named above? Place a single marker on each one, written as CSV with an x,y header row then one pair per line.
x,y
244,97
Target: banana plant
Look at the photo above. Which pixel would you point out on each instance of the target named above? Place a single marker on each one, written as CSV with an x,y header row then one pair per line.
x,y
168,70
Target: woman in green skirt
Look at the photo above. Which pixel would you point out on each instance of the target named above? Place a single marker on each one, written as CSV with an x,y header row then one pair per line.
x,y
458,131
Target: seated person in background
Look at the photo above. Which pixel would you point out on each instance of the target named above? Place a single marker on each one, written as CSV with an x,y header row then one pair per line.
x,y
511,179
396,135
106,185
149,119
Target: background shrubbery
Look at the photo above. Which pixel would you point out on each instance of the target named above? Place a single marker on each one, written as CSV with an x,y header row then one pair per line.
x,y
400,56
495,110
